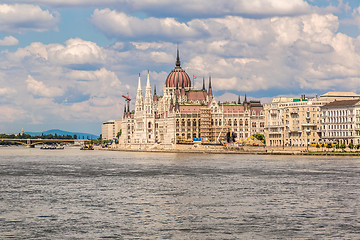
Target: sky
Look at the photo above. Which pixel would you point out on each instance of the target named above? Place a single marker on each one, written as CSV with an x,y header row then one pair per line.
x,y
65,63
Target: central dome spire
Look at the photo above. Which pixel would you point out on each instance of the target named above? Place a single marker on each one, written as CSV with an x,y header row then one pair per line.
x,y
177,58
178,76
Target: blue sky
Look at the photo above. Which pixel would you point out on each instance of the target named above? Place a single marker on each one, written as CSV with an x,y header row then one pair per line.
x,y
65,64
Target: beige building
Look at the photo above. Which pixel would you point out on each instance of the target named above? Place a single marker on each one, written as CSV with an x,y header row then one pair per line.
x,y
110,129
297,121
341,122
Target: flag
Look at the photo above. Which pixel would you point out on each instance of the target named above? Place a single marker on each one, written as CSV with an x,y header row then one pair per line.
x,y
194,77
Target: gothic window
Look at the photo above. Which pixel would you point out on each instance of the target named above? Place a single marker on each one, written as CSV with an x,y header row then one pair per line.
x,y
194,122
253,124
177,123
188,123
149,125
183,122
235,123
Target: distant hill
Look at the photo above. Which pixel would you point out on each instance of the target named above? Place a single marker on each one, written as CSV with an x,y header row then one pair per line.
x,y
64,133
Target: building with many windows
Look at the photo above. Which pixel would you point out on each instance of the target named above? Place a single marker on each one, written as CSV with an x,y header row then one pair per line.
x,y
298,121
183,114
341,122
110,129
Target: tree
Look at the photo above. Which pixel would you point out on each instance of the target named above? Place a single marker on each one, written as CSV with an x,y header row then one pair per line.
x,y
119,133
351,145
342,146
329,145
259,136
317,146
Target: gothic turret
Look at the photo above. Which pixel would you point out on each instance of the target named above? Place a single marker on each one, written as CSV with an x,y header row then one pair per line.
x,y
148,96
139,98
210,88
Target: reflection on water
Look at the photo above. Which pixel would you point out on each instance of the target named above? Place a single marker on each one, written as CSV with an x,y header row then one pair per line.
x,y
72,194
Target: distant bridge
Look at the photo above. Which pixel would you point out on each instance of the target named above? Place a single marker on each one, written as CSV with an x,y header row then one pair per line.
x,y
32,142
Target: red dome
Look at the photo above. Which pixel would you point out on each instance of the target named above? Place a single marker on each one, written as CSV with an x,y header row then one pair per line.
x,y
178,76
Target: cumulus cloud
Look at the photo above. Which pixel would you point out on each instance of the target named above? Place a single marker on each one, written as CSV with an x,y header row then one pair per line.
x,y
9,41
74,53
9,114
18,18
190,8
118,24
40,89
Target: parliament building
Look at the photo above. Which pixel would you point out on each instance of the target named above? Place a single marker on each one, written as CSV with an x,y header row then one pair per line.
x,y
184,114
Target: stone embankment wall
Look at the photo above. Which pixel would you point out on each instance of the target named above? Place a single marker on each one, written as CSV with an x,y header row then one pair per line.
x,y
198,148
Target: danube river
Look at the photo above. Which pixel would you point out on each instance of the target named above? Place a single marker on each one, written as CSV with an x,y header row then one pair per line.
x,y
73,194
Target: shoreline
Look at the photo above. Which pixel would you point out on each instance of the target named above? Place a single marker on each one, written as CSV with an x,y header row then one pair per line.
x,y
224,150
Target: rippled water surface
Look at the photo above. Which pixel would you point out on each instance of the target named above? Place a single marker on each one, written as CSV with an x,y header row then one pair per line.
x,y
73,194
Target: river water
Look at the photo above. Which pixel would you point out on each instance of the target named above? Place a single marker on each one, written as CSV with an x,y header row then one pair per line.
x,y
73,194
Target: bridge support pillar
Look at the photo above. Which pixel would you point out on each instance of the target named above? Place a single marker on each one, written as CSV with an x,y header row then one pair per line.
x,y
28,144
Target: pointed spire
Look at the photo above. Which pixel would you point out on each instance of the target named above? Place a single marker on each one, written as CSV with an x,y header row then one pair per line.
x,y
177,57
148,80
203,84
154,89
210,89
245,99
239,100
125,108
139,83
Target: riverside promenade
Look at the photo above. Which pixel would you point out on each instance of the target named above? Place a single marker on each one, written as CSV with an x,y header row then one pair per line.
x,y
218,149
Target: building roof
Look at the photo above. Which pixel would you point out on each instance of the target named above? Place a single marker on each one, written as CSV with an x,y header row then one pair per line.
x,y
196,96
340,94
178,76
342,103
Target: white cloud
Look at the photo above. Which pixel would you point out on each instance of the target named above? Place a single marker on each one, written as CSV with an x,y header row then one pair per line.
x,y
17,18
7,91
9,114
74,52
99,83
118,24
189,8
40,89
9,41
